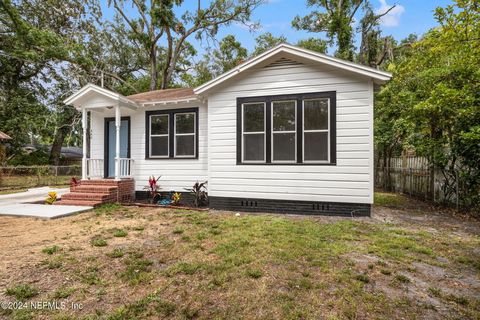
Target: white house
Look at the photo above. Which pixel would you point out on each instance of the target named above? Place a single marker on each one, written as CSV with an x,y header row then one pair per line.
x,y
290,130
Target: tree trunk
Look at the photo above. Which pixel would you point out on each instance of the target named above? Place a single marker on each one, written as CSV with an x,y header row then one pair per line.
x,y
56,150
153,69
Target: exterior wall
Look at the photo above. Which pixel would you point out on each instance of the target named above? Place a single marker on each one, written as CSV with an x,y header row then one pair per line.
x,y
176,173
349,181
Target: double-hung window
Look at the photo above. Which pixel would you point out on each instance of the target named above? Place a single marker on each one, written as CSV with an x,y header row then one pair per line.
x,y
172,134
185,134
159,135
315,130
284,131
253,132
287,129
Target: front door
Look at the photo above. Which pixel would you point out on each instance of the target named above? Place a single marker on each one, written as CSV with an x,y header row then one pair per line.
x,y
110,138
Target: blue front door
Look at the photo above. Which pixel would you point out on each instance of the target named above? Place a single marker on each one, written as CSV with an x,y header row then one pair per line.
x,y
112,136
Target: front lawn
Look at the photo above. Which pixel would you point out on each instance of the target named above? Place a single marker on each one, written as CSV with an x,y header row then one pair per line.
x,y
137,263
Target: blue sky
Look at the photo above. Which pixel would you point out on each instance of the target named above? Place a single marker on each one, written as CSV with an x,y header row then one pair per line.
x,y
410,16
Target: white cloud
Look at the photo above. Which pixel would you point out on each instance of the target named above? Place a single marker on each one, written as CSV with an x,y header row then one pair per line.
x,y
391,19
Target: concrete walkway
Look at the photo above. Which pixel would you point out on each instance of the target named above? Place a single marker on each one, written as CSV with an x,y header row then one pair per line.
x,y
21,204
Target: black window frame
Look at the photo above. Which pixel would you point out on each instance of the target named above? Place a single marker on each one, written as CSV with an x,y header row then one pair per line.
x,y
331,95
171,133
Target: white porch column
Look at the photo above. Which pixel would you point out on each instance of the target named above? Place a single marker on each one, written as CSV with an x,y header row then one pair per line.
x,y
118,123
84,144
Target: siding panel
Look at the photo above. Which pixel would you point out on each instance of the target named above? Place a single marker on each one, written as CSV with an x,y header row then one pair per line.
x,y
349,181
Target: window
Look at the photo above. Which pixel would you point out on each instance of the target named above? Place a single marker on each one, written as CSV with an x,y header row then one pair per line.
x,y
284,132
315,130
184,134
253,131
172,134
159,135
287,129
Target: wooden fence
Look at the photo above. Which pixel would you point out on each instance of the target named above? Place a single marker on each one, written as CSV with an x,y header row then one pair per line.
x,y
413,176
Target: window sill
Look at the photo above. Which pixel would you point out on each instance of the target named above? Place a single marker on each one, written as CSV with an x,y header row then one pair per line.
x,y
181,158
286,164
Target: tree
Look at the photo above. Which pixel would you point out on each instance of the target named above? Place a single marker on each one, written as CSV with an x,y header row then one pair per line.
x,y
160,19
432,101
267,41
336,18
313,44
228,55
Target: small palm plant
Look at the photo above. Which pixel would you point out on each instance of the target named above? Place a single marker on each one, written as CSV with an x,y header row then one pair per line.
x,y
52,197
153,188
199,192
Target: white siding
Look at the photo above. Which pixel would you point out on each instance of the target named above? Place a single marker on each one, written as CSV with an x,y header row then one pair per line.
x,y
176,173
351,180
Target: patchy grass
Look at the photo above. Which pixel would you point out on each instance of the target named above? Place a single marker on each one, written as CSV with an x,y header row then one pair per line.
x,y
119,233
389,199
22,291
185,265
51,250
98,242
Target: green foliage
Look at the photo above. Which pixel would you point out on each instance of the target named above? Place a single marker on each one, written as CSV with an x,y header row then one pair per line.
x,y
432,102
120,233
51,250
22,291
98,242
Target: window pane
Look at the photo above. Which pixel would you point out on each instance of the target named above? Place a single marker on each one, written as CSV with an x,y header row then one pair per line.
x,y
185,145
316,114
284,116
185,123
253,145
253,117
159,146
284,146
316,146
159,124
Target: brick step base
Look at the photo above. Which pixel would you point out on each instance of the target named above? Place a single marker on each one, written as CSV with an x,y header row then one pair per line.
x,y
97,192
94,189
104,197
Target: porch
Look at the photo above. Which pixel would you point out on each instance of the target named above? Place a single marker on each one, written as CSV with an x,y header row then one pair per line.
x,y
116,162
108,176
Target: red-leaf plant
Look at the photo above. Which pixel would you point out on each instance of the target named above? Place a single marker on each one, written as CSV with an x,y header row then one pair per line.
x,y
153,188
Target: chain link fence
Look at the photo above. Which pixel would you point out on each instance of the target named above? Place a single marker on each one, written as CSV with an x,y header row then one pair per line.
x,y
24,177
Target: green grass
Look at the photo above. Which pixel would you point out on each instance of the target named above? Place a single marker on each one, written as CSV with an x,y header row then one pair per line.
x,y
389,199
63,292
22,291
98,242
218,266
116,253
137,269
51,250
120,233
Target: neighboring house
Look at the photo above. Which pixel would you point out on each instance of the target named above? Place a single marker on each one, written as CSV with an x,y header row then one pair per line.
x,y
290,131
68,155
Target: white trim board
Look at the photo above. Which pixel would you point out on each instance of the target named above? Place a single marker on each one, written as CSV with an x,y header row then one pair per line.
x,y
377,75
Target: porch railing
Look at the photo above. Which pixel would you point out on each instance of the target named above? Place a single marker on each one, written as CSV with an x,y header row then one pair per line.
x,y
95,168
126,167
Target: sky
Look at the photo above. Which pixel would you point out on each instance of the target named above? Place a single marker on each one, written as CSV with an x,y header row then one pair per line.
x,y
409,16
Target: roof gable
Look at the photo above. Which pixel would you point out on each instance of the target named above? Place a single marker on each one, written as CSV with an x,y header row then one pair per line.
x,y
96,97
378,76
